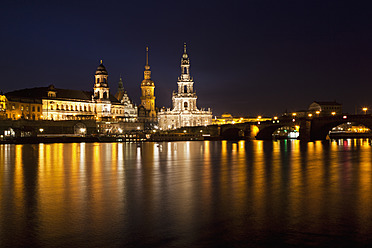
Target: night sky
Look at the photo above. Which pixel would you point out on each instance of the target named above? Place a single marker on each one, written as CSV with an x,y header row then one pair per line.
x,y
247,57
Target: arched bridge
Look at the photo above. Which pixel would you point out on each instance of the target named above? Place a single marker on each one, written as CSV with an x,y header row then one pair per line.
x,y
315,128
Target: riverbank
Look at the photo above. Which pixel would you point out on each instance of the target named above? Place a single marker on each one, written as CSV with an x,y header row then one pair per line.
x,y
102,139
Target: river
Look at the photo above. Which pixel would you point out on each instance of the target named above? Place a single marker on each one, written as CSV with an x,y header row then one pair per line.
x,y
187,194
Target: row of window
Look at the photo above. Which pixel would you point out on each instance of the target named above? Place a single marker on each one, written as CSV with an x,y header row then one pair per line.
x,y
332,108
71,108
27,117
14,106
119,111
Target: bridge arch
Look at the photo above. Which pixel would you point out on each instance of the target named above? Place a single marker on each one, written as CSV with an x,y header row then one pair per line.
x,y
266,132
320,129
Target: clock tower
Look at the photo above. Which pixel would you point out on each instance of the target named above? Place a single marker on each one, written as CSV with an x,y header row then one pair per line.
x,y
148,90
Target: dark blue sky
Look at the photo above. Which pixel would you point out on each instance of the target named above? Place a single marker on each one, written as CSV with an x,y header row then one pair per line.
x,y
247,57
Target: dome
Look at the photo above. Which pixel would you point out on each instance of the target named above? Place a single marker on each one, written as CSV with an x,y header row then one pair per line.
x,y
101,70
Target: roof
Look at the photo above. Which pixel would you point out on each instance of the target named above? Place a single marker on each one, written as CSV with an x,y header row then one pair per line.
x,y
101,70
327,103
63,94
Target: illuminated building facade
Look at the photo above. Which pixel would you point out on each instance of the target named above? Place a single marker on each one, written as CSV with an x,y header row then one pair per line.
x,y
185,112
325,108
147,110
130,109
14,108
66,104
3,101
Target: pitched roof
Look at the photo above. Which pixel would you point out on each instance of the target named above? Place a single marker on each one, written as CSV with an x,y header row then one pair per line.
x,y
62,94
327,103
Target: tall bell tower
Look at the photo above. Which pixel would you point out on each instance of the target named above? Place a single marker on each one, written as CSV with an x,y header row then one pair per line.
x,y
101,88
185,98
101,92
148,90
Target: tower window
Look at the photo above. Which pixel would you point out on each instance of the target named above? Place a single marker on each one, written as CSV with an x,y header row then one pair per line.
x,y
185,105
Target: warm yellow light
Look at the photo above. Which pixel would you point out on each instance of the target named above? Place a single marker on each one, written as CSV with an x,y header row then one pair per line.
x,y
275,117
310,115
259,117
294,114
317,112
365,109
41,130
333,113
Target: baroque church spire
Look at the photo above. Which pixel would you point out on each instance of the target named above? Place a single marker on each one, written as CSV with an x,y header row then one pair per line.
x,y
147,72
185,65
148,91
120,84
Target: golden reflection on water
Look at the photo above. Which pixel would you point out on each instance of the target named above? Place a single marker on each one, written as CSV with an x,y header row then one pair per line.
x,y
98,186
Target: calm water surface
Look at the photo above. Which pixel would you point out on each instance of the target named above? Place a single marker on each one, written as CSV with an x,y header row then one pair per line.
x,y
186,194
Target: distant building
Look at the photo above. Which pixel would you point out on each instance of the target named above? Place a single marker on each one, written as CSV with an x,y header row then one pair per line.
x,y
3,102
318,108
147,112
66,104
185,112
130,109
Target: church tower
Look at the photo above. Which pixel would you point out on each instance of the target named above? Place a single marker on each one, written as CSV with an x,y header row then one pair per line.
x,y
101,88
148,90
185,113
185,99
101,92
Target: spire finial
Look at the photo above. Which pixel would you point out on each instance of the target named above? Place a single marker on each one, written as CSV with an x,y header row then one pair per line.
x,y
101,61
184,47
147,55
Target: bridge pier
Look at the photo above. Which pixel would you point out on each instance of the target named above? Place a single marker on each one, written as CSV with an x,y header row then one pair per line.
x,y
305,130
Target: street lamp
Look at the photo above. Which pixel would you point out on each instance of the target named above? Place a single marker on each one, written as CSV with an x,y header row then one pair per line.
x,y
365,109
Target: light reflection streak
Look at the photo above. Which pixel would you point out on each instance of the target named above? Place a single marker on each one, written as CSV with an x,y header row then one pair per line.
x,y
82,156
18,176
139,157
120,160
156,156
